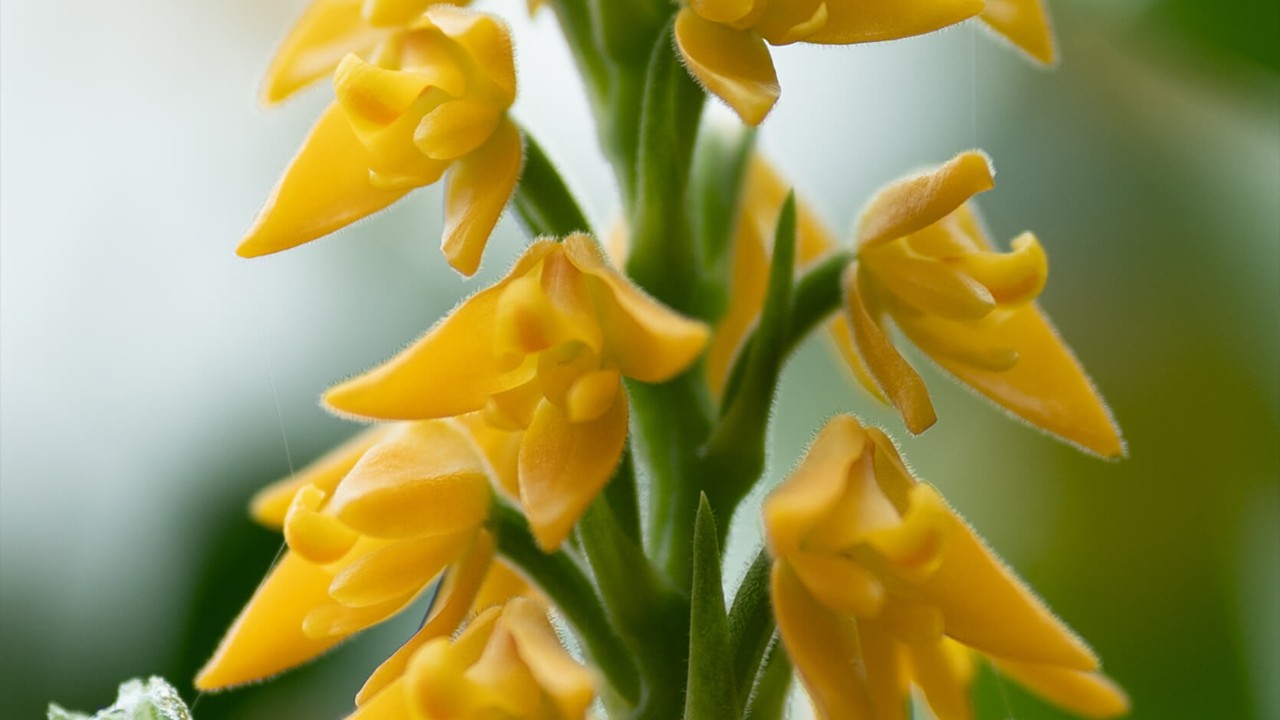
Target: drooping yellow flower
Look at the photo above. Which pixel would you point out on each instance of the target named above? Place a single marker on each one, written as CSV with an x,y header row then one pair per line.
x,y
925,261
368,528
761,202
725,43
507,663
877,581
433,98
543,350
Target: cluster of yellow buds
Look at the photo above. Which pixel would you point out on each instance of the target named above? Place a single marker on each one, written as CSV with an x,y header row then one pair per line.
x,y
571,442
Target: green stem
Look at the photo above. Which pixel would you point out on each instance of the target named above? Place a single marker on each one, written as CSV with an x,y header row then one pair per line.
x,y
578,26
769,696
560,577
818,293
543,201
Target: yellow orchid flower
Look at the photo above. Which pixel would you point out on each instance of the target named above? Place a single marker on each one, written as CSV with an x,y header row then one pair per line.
x,y
725,43
507,663
925,261
363,546
432,99
876,581
763,194
543,350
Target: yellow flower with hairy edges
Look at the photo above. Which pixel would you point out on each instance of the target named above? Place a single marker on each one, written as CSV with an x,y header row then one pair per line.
x,y
544,351
725,43
507,663
368,527
876,583
432,98
925,261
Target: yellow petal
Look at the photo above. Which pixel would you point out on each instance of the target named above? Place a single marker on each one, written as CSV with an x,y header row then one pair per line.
x,y
722,11
896,379
886,678
812,490
783,23
1013,277
395,570
592,395
456,128
501,584
943,669
916,547
336,621
512,410
486,39
911,622
390,704
839,583
564,465
955,341
824,648
643,338
1047,387
326,32
855,21
1090,694
569,684
425,479
270,504
988,608
841,337
480,184
734,65
374,97
1025,24
925,284
267,637
449,371
436,680
499,447
393,13
316,536
325,187
915,202
461,585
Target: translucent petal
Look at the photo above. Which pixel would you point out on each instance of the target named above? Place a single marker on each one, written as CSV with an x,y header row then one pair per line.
x,y
913,203
425,479
325,187
896,379
449,371
270,504
479,186
570,686
988,608
461,584
734,65
824,648
326,32
563,466
1090,694
643,338
855,21
456,128
1025,24
812,490
267,637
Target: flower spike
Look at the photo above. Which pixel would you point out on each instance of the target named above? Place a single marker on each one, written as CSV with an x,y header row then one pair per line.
x,y
433,97
876,582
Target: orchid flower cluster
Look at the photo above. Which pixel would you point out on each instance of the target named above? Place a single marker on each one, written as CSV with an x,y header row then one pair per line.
x,y
563,452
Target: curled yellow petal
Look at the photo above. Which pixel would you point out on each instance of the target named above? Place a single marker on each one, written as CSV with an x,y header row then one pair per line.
x,y
326,187
425,479
896,379
839,583
1025,24
374,97
570,686
479,186
326,32
564,465
927,285
812,490
916,546
734,65
267,637
456,128
592,395
270,504
1013,277
485,38
316,536
915,202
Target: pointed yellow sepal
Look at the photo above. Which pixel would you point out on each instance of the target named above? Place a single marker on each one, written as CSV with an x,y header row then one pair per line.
x,y
327,32
734,65
1025,24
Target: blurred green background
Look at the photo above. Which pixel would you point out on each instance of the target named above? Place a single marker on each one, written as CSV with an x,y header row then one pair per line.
x,y
150,380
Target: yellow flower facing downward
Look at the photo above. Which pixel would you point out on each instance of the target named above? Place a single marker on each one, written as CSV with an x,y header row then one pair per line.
x,y
925,261
877,582
368,528
543,351
507,664
432,98
725,43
